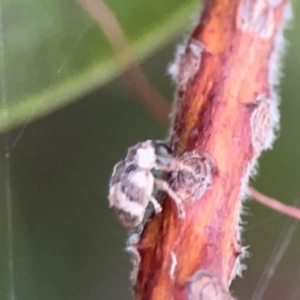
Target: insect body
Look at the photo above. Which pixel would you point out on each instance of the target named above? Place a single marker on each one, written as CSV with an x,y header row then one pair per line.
x,y
132,183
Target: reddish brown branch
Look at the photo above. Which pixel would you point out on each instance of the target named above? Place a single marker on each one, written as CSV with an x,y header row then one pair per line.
x,y
226,106
134,76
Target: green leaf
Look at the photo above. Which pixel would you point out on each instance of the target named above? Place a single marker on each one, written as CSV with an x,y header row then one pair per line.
x,y
53,52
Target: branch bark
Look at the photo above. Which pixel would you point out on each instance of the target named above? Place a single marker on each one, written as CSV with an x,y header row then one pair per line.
x,y
226,106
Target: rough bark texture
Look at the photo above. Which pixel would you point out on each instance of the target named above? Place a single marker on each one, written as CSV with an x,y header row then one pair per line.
x,y
225,105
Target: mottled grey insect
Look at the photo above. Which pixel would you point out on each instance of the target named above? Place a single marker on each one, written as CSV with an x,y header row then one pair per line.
x,y
132,183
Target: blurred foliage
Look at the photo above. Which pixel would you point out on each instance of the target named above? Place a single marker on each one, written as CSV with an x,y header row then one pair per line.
x,y
67,243
54,52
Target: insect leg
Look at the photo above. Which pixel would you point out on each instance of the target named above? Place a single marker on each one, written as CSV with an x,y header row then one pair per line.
x,y
174,165
164,186
157,206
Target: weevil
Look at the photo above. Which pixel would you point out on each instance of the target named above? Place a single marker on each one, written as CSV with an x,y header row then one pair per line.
x,y
133,182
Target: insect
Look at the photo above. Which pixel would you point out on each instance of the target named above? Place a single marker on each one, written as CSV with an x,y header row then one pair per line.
x,y
133,182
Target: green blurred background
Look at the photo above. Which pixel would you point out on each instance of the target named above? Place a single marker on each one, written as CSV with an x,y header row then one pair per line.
x,y
67,244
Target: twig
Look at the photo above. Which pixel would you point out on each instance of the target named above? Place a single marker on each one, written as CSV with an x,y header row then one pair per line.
x,y
274,204
134,76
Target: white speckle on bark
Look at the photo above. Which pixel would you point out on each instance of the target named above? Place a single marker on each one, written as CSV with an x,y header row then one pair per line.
x,y
183,70
173,265
264,123
239,267
206,285
274,74
187,63
256,16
